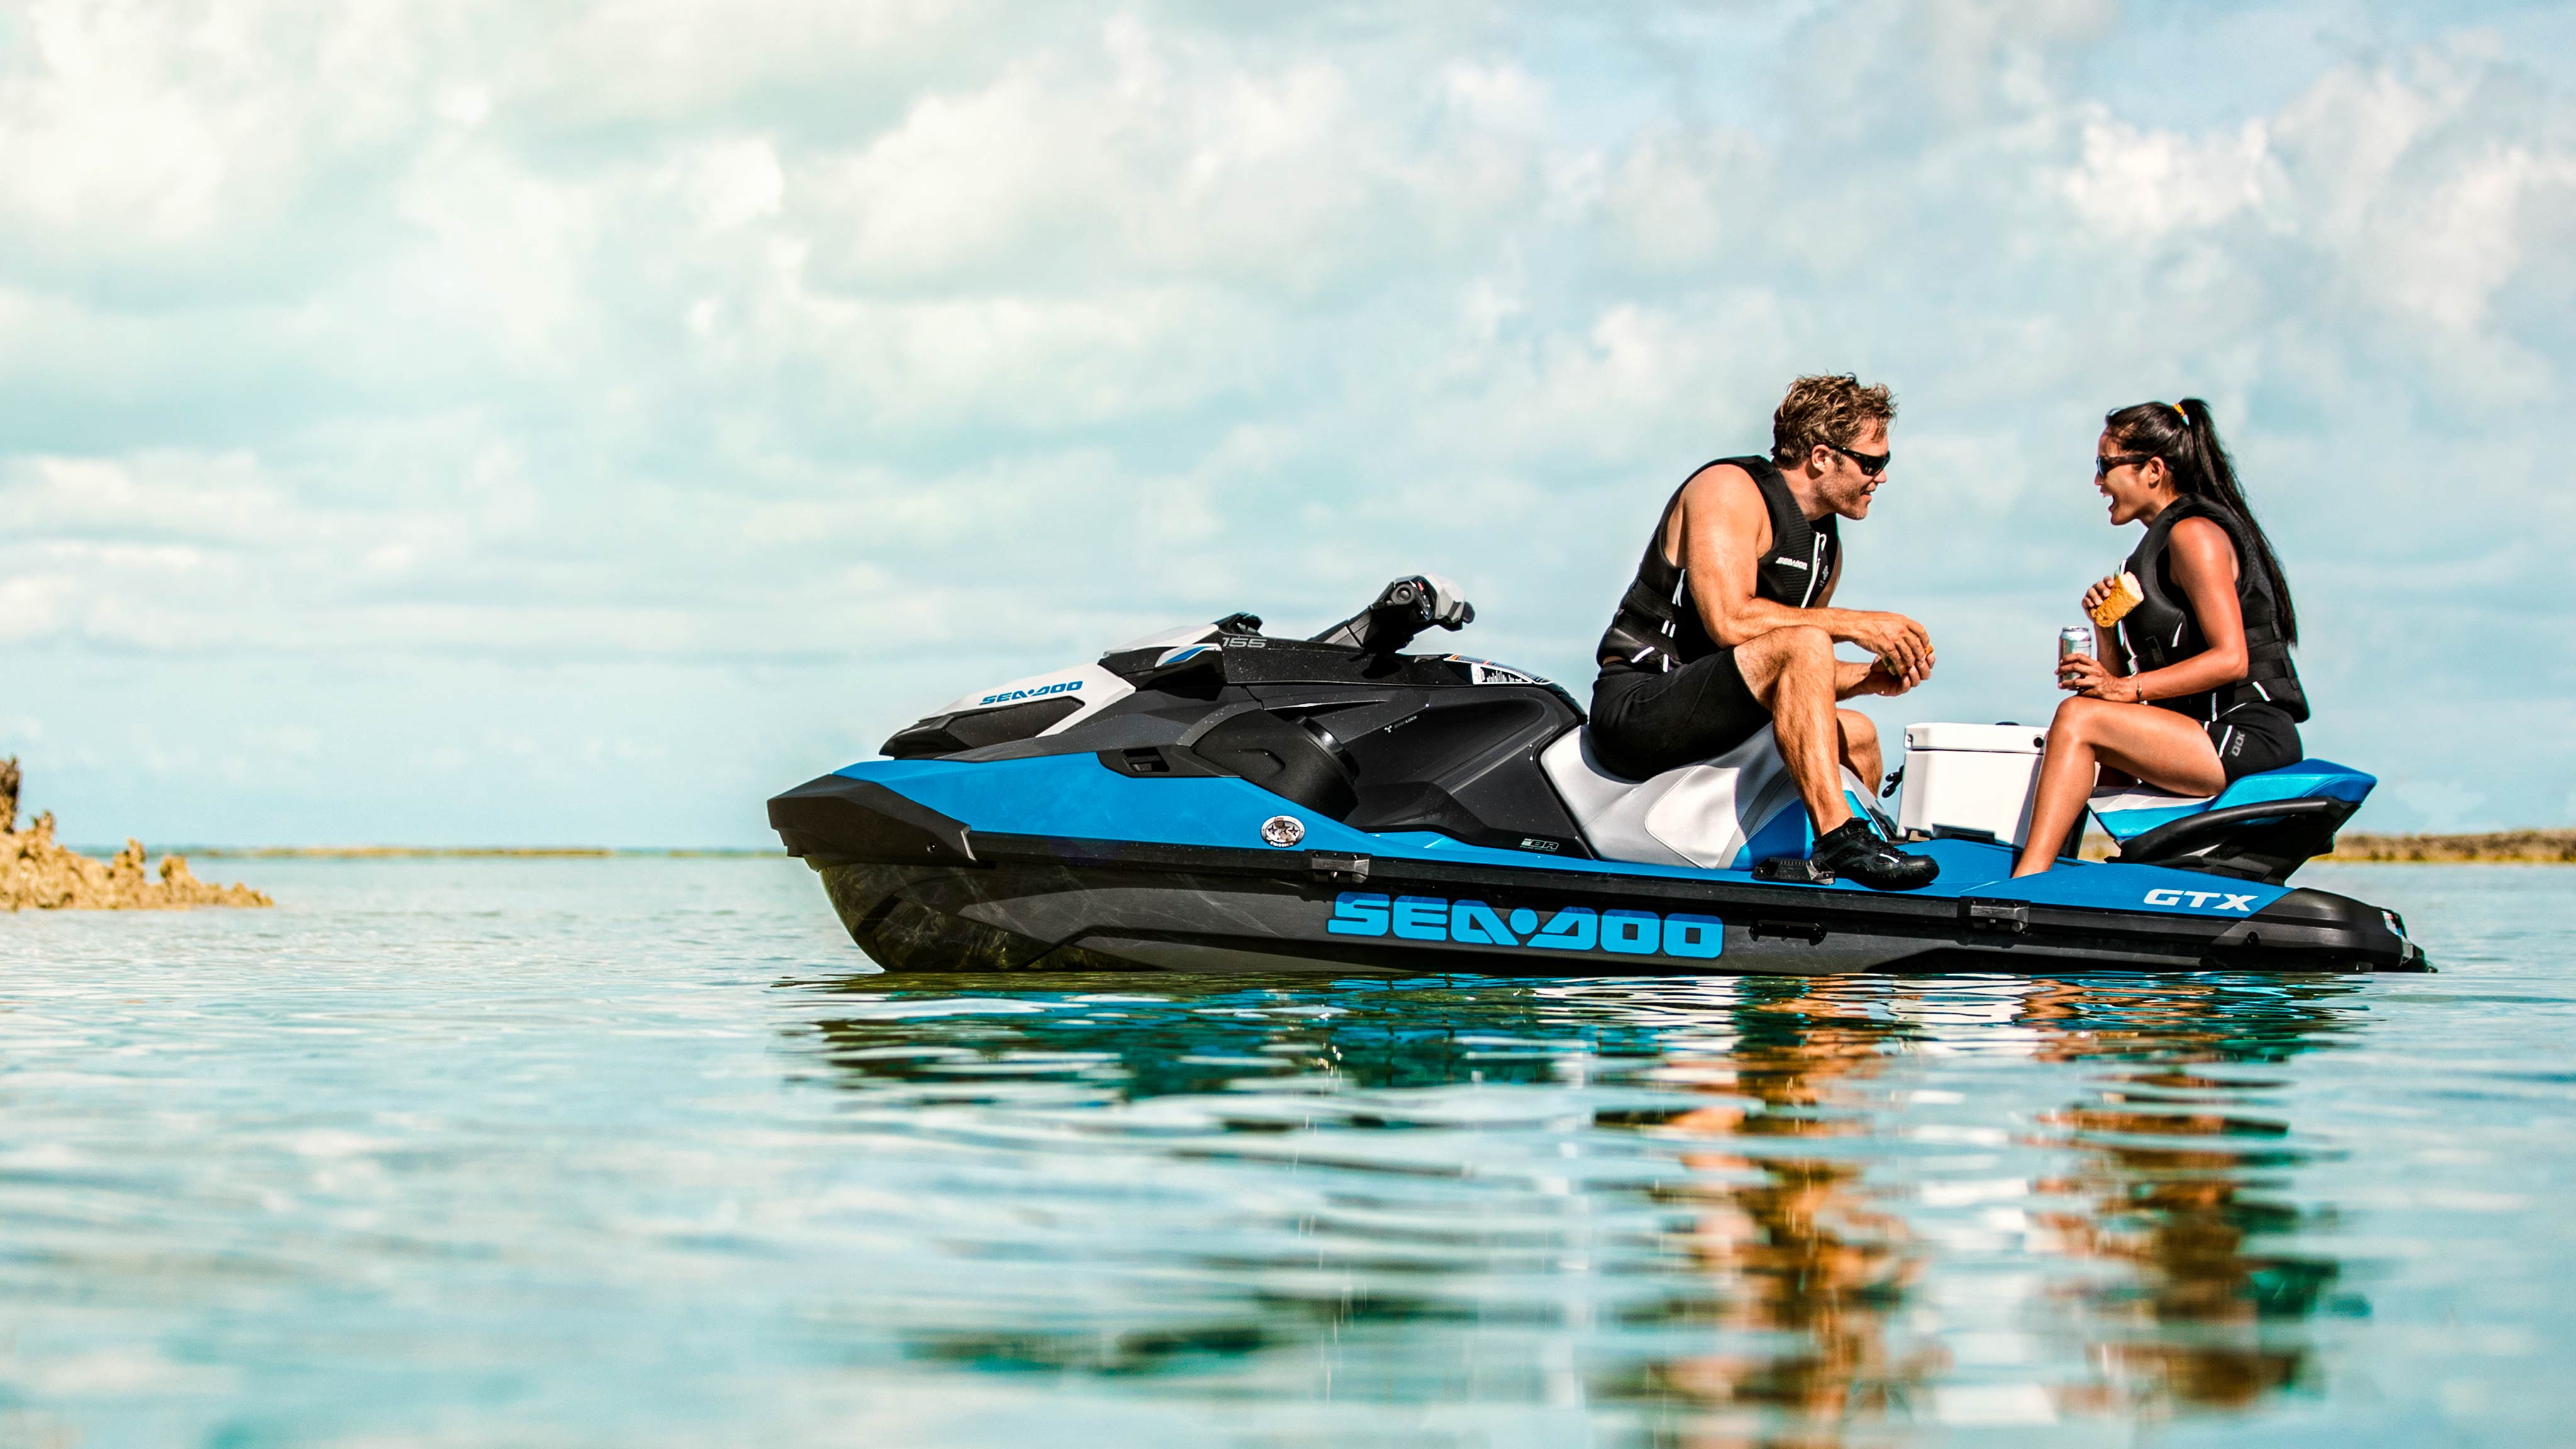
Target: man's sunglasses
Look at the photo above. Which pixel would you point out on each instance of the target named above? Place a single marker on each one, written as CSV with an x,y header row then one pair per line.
x,y
1870,464
2103,463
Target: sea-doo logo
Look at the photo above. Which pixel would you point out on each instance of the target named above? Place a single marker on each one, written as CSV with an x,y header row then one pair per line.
x,y
2199,900
1573,928
1066,686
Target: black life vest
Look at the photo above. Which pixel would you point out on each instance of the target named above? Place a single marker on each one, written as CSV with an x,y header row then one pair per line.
x,y
2162,629
1657,626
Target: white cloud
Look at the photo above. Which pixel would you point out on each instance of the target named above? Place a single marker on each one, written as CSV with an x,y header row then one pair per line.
x,y
896,338
2463,244
2144,184
733,183
1678,196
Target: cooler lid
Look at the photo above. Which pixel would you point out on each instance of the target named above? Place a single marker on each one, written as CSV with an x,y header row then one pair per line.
x,y
1990,739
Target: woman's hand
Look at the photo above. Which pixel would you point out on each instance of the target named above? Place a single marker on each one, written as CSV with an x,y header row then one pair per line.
x,y
2085,675
2094,596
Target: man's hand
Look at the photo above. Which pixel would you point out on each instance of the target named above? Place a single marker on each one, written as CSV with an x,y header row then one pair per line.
x,y
1886,681
1852,678
1903,648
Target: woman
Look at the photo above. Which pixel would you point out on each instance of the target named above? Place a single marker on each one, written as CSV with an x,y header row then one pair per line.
x,y
2205,691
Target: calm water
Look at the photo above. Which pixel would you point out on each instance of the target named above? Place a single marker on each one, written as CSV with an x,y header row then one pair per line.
x,y
630,1152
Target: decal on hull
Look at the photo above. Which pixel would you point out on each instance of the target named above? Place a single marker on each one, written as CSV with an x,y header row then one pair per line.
x,y
1571,928
1063,686
2200,900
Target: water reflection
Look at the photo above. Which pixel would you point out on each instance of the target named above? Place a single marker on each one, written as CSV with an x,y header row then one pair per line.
x,y
1809,1267
2179,1175
1133,1038
1735,1211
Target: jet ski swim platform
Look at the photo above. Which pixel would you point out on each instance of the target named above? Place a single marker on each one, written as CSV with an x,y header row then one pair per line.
x,y
1216,800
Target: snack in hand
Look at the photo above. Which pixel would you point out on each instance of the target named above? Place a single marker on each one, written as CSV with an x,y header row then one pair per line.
x,y
2115,606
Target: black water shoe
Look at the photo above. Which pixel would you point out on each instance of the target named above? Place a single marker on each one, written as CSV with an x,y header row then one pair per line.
x,y
1849,849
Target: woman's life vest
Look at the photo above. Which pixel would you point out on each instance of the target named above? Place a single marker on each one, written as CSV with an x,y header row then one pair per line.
x,y
2162,629
1657,626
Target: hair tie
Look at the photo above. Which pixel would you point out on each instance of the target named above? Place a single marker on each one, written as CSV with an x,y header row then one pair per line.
x,y
2178,412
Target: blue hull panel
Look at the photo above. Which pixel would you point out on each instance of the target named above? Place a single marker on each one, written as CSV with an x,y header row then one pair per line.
x,y
1074,798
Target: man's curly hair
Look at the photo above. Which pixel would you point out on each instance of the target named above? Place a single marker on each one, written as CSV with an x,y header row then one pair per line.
x,y
1829,408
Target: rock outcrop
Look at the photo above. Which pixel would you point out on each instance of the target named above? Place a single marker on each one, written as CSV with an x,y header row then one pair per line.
x,y
39,874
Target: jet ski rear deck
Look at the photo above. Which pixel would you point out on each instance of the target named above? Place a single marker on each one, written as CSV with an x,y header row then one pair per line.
x,y
1217,800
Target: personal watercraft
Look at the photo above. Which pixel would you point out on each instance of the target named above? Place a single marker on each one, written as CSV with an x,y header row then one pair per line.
x,y
1218,799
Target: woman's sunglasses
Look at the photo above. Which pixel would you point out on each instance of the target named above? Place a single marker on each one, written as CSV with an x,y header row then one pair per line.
x,y
2103,463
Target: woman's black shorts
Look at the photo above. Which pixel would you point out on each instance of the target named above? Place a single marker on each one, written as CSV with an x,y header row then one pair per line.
x,y
1644,724
2252,738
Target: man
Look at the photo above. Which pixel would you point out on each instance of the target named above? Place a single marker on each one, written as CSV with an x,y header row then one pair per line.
x,y
1730,625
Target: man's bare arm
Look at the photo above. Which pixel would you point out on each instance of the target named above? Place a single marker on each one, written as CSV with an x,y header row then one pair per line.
x,y
1723,523
1874,677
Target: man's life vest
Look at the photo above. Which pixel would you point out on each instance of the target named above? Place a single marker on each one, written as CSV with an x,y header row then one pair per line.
x,y
2162,629
1657,626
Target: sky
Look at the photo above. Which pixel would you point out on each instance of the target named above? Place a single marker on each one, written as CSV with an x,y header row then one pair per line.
x,y
514,423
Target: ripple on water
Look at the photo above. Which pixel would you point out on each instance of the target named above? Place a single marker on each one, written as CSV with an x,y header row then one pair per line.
x,y
596,1150
1710,1197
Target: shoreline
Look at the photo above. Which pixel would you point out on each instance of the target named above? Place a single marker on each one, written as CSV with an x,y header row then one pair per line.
x,y
2500,847
454,852
2494,847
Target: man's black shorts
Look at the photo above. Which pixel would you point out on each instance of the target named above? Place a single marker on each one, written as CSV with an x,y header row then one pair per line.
x,y
1644,724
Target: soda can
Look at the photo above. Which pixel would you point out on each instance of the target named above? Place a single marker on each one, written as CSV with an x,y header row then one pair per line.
x,y
2076,639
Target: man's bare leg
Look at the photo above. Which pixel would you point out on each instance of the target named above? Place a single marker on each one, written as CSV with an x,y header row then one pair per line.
x,y
1860,745
1792,672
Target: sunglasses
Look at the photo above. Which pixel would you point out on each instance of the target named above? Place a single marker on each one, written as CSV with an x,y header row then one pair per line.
x,y
1870,464
2103,463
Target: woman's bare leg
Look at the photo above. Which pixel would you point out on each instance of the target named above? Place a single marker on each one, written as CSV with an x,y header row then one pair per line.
x,y
2158,746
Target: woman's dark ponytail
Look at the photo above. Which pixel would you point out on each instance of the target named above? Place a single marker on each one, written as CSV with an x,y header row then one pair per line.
x,y
2183,435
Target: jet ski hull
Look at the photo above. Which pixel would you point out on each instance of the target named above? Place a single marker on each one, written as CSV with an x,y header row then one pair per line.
x,y
1030,886
1216,799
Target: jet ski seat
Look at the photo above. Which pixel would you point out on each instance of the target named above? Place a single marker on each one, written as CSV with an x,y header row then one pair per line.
x,y
1721,814
2261,827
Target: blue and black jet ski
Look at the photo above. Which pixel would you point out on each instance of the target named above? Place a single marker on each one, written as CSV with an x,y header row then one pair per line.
x,y
1217,799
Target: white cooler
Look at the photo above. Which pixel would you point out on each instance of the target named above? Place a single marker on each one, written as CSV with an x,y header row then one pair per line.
x,y
1970,777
